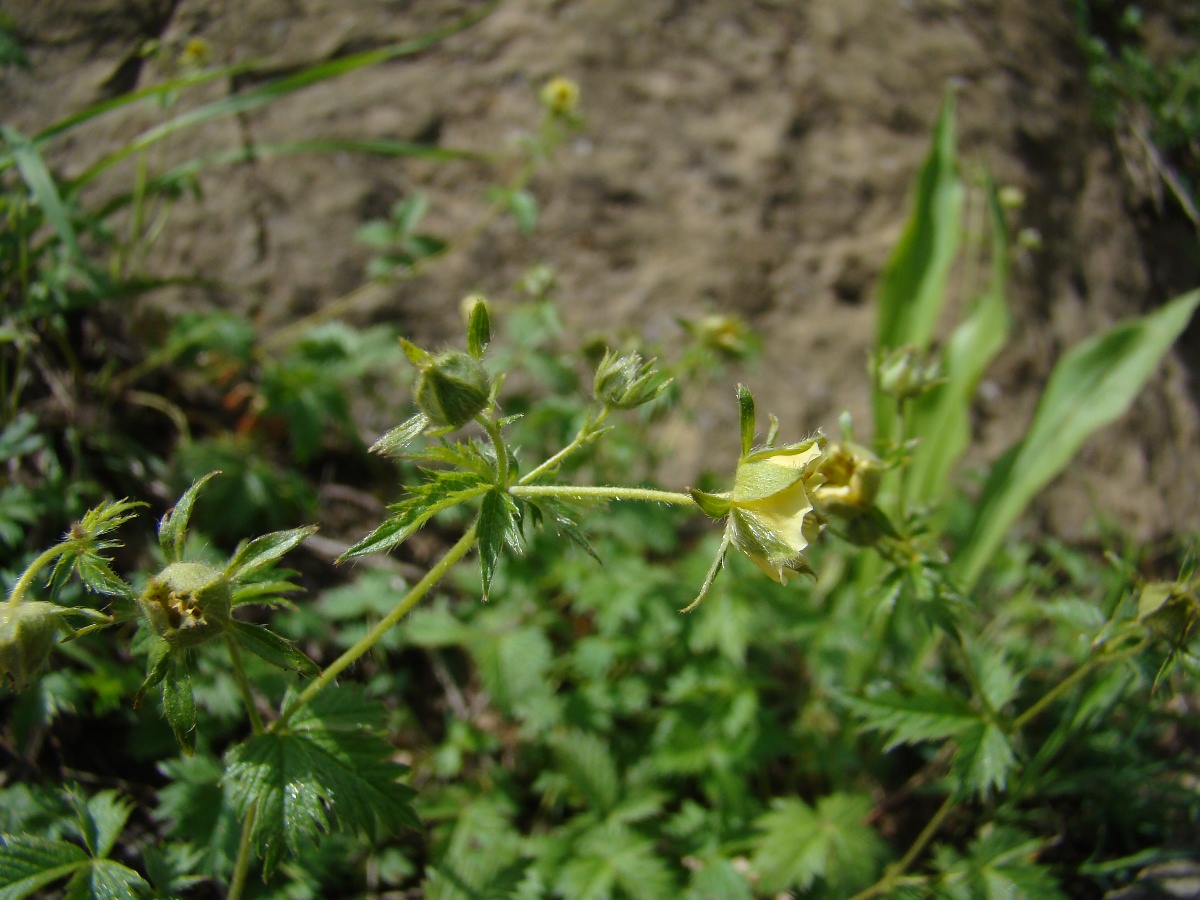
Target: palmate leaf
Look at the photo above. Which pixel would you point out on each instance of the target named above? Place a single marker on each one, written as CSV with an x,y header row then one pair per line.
x,y
587,761
801,843
106,879
100,820
610,857
483,856
447,489
330,769
28,864
1000,865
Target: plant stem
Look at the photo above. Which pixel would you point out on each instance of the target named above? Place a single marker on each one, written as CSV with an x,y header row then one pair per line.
x,y
372,637
894,871
581,492
1070,681
239,674
497,439
26,579
241,867
585,435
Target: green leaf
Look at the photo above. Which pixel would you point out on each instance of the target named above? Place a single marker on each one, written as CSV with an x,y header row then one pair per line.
x,y
588,764
800,844
613,856
195,809
718,880
912,290
106,879
447,489
28,864
408,213
172,530
941,417
1092,385
984,758
100,820
483,856
746,421
262,551
42,186
924,715
479,328
401,436
266,93
179,705
524,208
330,769
1000,865
498,524
278,651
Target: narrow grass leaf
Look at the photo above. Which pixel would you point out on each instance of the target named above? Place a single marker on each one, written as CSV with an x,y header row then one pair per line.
x,y
1092,385
913,287
41,186
942,417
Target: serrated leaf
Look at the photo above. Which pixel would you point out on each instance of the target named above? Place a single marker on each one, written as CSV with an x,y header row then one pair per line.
x,y
800,844
425,501
984,758
719,880
100,820
1091,386
330,769
105,879
496,526
925,715
172,530
97,574
401,436
28,864
262,551
613,856
276,650
195,809
589,766
483,856
1000,864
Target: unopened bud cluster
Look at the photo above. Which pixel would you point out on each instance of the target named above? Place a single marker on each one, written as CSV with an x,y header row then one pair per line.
x,y
626,382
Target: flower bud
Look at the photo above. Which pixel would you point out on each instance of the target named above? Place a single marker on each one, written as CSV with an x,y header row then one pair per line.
x,y
902,373
27,633
851,480
453,389
187,603
626,382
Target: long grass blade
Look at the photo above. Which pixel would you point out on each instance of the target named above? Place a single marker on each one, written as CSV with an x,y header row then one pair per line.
x,y
942,417
1092,385
913,287
41,184
273,90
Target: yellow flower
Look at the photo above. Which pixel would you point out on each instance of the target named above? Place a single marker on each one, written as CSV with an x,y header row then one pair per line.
x,y
560,97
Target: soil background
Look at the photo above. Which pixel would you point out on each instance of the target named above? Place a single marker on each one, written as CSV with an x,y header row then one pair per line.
x,y
739,156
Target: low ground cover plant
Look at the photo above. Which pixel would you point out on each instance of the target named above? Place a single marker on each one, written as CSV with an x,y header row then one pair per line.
x,y
820,674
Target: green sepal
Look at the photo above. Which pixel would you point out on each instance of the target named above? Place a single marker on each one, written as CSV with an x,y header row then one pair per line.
x,y
746,417
179,704
266,644
401,436
715,506
479,327
418,357
262,551
172,530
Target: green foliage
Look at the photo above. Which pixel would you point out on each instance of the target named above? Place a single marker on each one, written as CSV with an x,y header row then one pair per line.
x,y
331,768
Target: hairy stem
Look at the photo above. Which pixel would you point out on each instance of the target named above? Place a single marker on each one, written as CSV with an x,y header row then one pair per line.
x,y
372,637
26,579
1070,681
580,492
585,435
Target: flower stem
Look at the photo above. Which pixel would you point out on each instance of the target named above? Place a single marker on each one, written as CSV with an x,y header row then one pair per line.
x,y
581,492
497,439
241,867
26,579
585,435
898,868
239,674
1070,681
372,637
